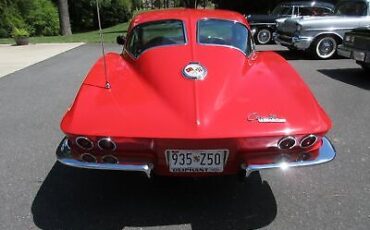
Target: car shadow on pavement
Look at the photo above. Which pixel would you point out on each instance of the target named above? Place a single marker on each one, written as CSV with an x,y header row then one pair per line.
x,y
72,198
299,55
293,55
352,76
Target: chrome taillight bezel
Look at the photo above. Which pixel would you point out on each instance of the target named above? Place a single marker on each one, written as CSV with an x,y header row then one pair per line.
x,y
304,138
95,160
107,139
86,139
106,156
287,138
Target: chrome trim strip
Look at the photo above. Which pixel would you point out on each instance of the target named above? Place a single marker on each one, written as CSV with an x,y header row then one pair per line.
x,y
262,23
64,156
326,153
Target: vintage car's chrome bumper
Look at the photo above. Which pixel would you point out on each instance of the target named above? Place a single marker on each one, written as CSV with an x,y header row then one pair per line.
x,y
297,42
65,157
356,54
326,154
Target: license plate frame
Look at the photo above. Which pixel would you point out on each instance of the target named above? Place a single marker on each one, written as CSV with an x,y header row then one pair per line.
x,y
196,160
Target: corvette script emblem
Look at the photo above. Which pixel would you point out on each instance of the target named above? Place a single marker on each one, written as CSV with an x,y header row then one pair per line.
x,y
194,71
271,118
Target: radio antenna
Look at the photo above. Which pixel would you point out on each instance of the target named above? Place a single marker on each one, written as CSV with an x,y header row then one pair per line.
x,y
107,84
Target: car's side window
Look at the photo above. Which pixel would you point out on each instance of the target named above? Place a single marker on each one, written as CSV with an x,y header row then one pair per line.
x,y
154,34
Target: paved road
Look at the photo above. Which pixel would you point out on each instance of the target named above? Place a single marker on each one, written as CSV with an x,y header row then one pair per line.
x,y
36,192
13,58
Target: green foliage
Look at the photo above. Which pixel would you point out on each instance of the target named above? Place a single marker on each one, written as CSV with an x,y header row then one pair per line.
x,y
43,18
10,17
20,33
83,13
39,17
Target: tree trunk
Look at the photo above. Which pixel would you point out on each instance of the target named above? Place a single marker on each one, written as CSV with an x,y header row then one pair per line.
x,y
65,25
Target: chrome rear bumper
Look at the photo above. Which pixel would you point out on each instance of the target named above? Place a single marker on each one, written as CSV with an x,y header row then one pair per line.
x,y
297,42
326,153
356,54
64,156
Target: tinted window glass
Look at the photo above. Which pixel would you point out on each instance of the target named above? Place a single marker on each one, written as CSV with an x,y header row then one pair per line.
x,y
282,10
349,8
223,32
153,34
313,11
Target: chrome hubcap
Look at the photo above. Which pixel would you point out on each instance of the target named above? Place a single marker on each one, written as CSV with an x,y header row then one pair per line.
x,y
264,36
326,47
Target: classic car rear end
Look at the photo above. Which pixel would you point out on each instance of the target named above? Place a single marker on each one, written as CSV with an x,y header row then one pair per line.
x,y
356,45
189,96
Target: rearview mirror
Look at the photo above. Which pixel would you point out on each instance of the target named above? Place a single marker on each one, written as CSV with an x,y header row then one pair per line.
x,y
121,40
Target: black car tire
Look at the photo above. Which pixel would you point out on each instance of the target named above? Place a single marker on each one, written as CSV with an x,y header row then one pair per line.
x,y
263,36
364,65
324,47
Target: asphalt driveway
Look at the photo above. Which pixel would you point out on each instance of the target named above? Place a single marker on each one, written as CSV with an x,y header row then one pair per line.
x,y
36,192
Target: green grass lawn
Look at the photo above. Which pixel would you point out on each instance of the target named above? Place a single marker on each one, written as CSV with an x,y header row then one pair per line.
x,y
110,35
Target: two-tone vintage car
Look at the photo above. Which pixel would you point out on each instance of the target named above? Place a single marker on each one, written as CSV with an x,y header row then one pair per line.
x,y
264,25
321,35
190,96
356,45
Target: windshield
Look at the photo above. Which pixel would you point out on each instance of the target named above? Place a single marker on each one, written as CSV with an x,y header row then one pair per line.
x,y
282,10
153,34
350,8
225,33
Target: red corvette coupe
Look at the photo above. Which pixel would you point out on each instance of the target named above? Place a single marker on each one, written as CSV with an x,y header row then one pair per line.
x,y
190,96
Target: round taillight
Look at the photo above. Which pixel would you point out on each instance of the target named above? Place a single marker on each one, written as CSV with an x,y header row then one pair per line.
x,y
84,143
287,142
308,141
107,144
109,159
87,157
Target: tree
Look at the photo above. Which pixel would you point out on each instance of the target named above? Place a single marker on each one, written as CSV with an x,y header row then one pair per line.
x,y
65,25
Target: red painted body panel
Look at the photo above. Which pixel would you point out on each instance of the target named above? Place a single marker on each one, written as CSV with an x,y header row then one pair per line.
x,y
149,98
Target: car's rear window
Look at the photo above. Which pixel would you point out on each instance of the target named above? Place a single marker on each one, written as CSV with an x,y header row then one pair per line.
x,y
153,34
224,33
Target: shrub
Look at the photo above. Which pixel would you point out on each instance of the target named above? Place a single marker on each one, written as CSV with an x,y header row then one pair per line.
x,y
43,18
20,33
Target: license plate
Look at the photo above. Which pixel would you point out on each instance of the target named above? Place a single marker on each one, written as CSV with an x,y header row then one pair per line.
x,y
197,161
358,56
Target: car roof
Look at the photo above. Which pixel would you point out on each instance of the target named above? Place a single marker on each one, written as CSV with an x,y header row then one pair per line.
x,y
308,3
186,15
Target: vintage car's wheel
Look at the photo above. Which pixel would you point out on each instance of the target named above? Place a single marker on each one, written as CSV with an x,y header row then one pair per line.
x,y
324,47
263,36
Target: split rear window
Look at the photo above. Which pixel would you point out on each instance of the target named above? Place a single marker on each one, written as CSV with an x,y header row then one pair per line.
x,y
158,33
